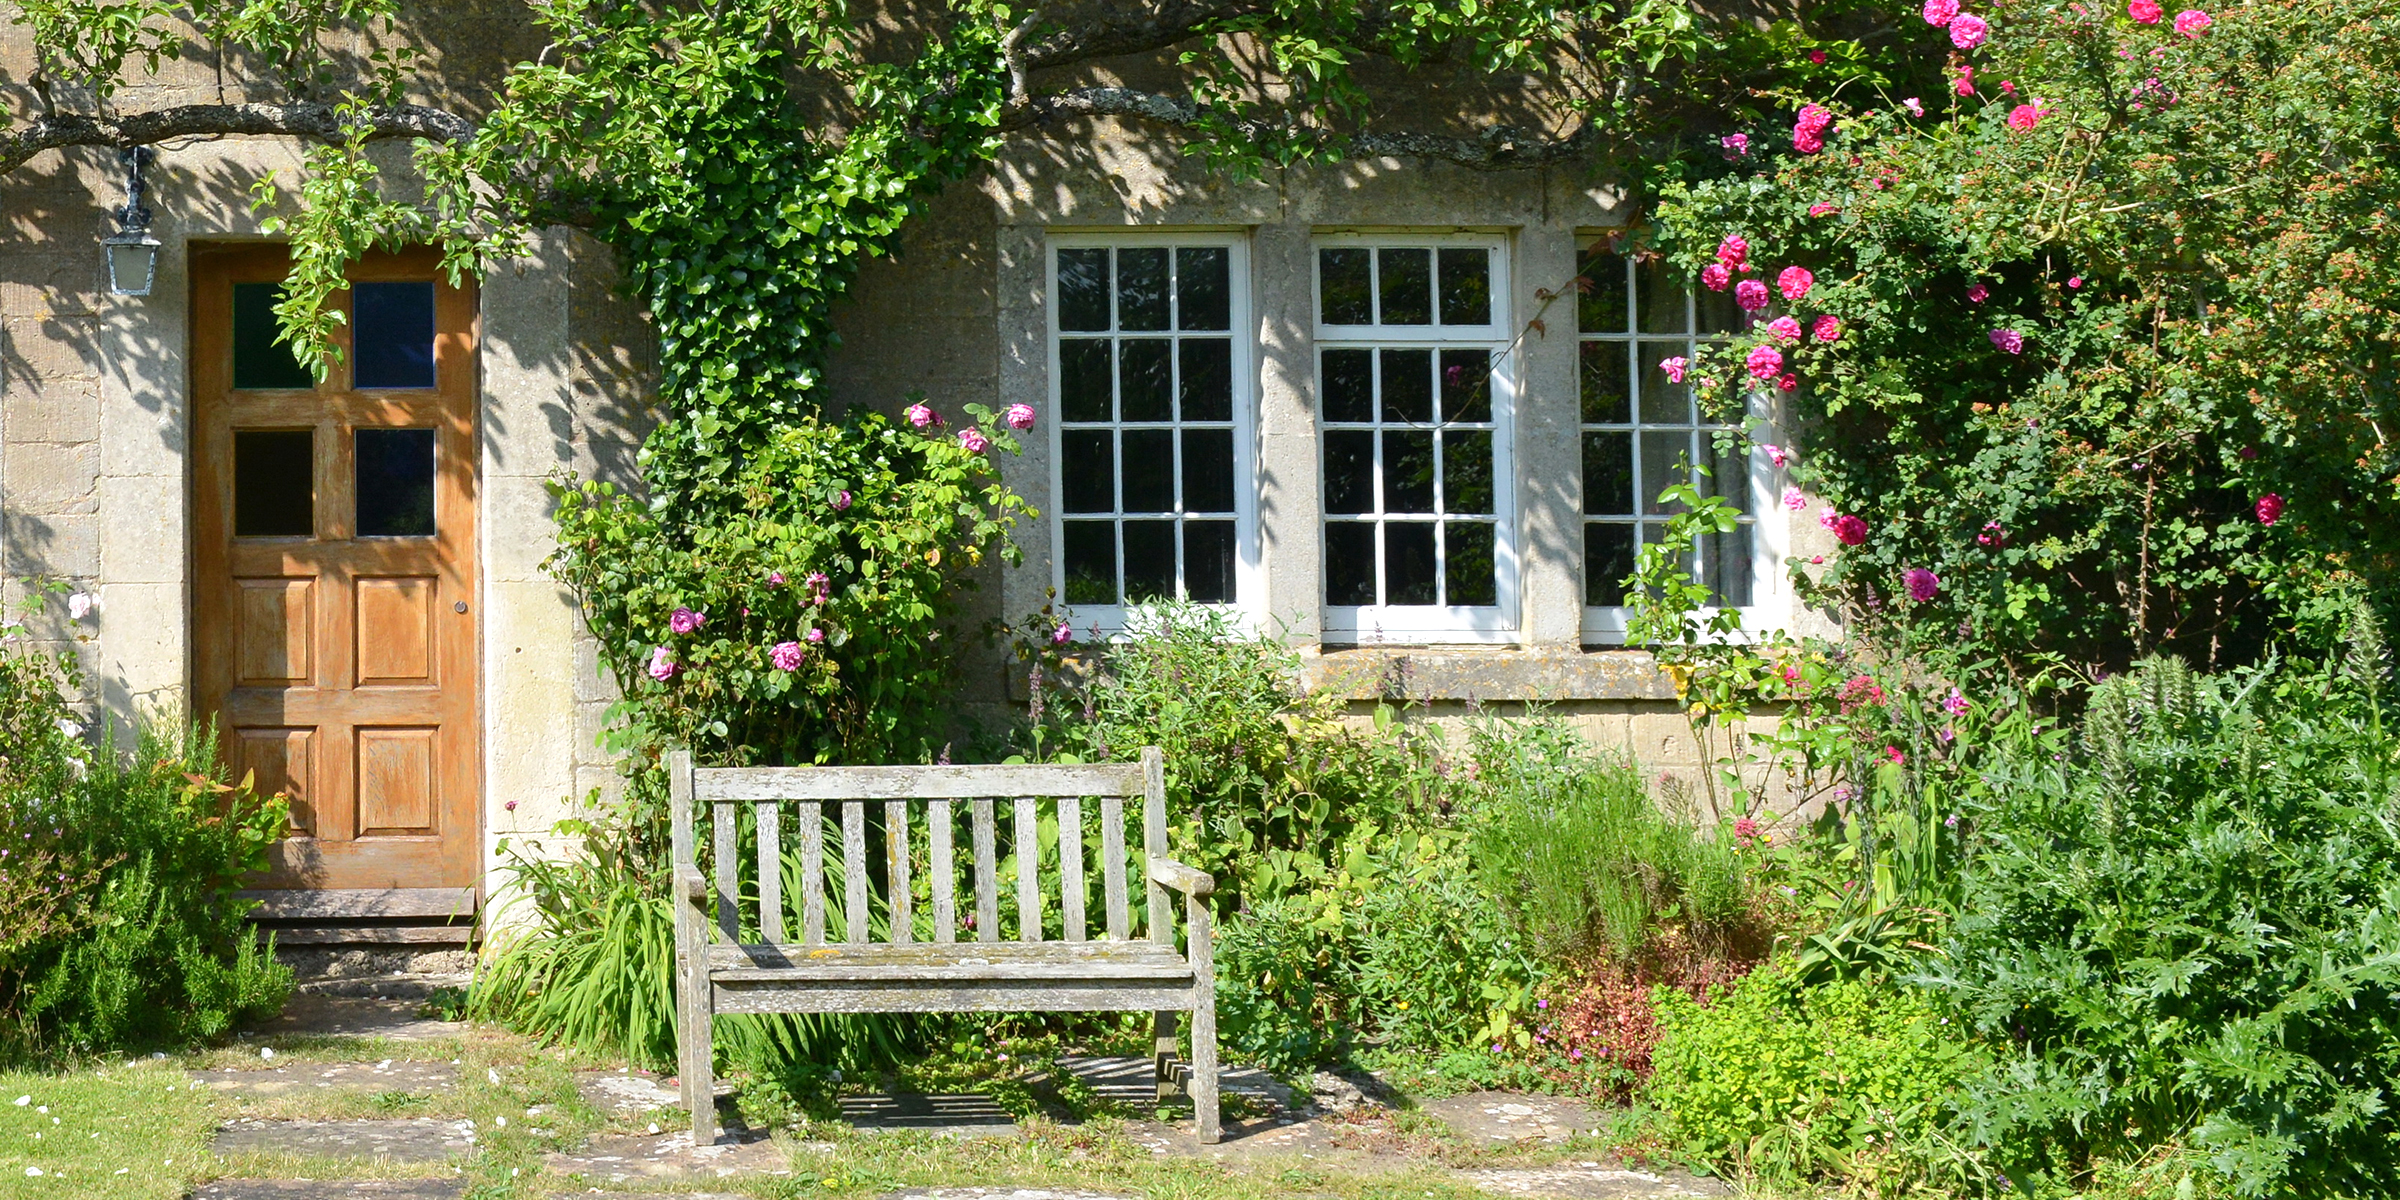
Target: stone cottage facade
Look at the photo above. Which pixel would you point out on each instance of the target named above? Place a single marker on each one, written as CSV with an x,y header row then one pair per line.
x,y
1363,404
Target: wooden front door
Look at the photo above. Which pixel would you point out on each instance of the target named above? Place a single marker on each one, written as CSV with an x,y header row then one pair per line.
x,y
333,526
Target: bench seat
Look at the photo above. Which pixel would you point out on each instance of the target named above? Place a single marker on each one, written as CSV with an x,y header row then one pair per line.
x,y
969,977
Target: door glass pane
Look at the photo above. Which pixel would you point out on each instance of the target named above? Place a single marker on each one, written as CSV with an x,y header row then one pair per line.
x,y
1083,289
1466,385
1408,574
1349,563
1344,289
258,360
1201,295
1142,288
1207,384
1349,380
1607,560
1408,385
1208,561
1466,283
274,483
1468,570
1091,560
1149,476
391,338
1407,471
395,482
1145,380
1083,380
1208,470
1087,470
1349,471
1149,561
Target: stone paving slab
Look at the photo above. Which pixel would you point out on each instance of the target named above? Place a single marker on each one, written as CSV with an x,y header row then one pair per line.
x,y
1592,1182
389,1075
357,1016
998,1193
332,1189
632,1093
620,1158
1507,1117
408,1139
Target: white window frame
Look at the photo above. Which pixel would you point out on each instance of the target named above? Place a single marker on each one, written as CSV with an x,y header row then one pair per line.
x,y
1769,609
1249,592
1413,624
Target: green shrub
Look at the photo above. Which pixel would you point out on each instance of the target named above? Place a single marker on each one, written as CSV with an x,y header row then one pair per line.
x,y
1788,1080
1283,985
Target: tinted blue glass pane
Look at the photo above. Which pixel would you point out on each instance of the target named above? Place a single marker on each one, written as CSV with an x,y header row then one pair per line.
x,y
395,482
391,342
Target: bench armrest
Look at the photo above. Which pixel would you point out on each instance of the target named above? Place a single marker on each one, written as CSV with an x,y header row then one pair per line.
x,y
1188,880
691,887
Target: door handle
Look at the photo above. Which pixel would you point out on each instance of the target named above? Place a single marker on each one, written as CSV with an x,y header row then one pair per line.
x,y
461,607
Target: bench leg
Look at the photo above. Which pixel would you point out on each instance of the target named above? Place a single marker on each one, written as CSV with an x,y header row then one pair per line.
x,y
1163,1052
699,1065
1204,1071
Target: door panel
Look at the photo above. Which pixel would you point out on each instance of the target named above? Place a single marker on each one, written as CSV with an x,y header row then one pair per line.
x,y
334,567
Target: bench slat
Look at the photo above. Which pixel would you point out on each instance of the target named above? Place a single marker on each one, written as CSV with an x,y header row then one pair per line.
x,y
728,853
1154,843
770,871
914,783
1029,871
920,960
1112,866
812,873
937,837
1070,868
914,996
987,876
895,854
854,871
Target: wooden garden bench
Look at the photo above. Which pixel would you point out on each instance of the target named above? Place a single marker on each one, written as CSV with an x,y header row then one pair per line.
x,y
1051,964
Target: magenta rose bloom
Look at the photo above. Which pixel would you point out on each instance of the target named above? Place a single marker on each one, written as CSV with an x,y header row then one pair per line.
x,y
1789,383
1969,31
919,415
1716,276
2270,509
1794,282
1751,294
662,664
1675,367
973,440
1784,329
1764,362
2191,22
1734,250
1922,584
1736,145
1939,12
786,656
2009,340
820,589
1061,635
816,635
2026,116
1827,328
1850,530
1018,416
2146,12
841,500
685,620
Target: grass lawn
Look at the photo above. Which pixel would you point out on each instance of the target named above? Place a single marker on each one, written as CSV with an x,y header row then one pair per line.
x,y
133,1130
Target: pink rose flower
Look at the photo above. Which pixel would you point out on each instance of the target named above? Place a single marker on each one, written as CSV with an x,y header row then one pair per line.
x,y
1794,282
1827,328
1734,250
1817,57
815,636
1824,208
1964,85
685,620
2191,22
1827,517
1784,329
1062,635
2009,340
1939,12
2025,116
1954,704
1779,455
1751,294
1716,276
1992,534
1914,107
1977,293
1765,361
1969,31
820,589
775,579
1808,131
2270,508
919,415
1018,416
1850,530
1789,383
1922,584
973,440
1793,500
662,664
2146,12
841,500
1737,145
786,656
2074,281
1675,367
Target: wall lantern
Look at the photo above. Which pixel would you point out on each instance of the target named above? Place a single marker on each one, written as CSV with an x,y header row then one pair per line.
x,y
132,252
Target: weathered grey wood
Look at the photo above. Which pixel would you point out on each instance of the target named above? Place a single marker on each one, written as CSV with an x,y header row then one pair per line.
x,y
917,783
987,874
1029,866
1070,868
1202,957
690,937
1189,880
770,871
1112,865
936,996
854,871
1163,1046
728,852
895,853
1002,961
345,903
377,935
812,872
937,838
1154,839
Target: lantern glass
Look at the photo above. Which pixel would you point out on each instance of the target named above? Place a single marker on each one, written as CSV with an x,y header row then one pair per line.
x,y
132,263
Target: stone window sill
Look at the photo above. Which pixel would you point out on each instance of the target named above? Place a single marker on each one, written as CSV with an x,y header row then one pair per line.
x,y
1465,673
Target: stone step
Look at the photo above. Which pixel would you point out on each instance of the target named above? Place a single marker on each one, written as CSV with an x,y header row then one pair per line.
x,y
332,1189
404,1139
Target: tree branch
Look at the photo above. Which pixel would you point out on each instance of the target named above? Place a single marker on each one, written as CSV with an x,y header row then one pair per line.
x,y
1496,148
303,120
1132,29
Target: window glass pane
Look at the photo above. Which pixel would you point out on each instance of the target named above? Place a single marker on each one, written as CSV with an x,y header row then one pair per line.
x,y
1729,473
1149,470
1719,313
1349,562
1408,385
1605,393
1142,288
1466,282
1469,574
1607,561
1344,289
1405,278
1664,457
1087,470
1467,471
1660,297
1145,380
1608,473
1083,380
1601,307
258,361
391,335
1202,299
395,482
1664,401
1207,379
1349,381
1349,471
1083,289
1408,574
1467,385
1149,561
1208,470
1727,557
1208,561
274,483
1407,471
1091,561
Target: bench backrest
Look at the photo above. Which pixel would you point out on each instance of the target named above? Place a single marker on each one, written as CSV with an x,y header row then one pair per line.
x,y
918,826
